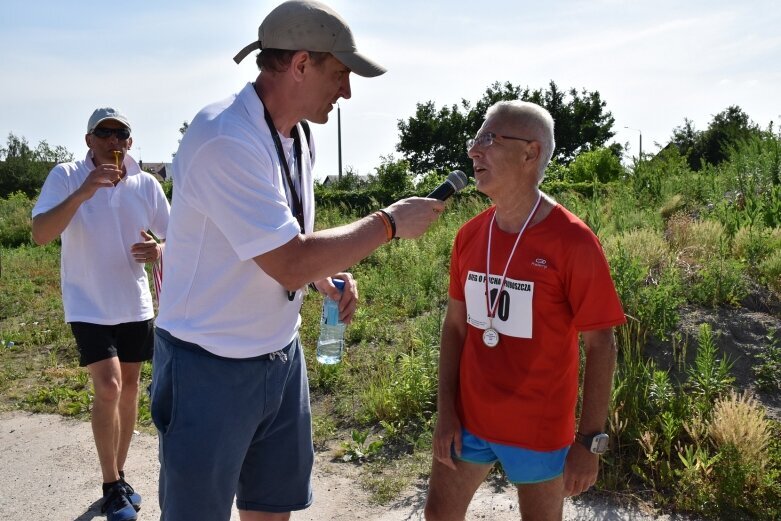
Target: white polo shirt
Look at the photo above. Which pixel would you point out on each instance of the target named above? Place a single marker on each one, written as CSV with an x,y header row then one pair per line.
x,y
101,282
230,205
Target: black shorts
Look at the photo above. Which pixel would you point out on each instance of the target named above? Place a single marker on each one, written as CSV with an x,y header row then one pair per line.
x,y
131,342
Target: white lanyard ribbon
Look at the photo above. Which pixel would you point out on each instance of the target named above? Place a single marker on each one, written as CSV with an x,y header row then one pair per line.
x,y
492,308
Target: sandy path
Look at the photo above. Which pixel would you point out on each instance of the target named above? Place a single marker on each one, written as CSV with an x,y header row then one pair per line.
x,y
49,470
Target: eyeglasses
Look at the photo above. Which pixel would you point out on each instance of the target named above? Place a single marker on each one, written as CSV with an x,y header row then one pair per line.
x,y
486,139
103,133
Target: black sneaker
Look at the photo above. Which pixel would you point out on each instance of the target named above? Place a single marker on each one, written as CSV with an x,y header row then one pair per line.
x,y
133,497
116,505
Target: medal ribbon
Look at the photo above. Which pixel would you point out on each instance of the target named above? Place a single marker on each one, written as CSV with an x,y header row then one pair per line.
x,y
491,308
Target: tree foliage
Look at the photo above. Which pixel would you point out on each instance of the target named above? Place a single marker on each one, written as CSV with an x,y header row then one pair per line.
x,y
728,129
393,175
25,169
434,139
600,165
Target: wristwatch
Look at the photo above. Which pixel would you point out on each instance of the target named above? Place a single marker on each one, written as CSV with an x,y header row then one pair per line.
x,y
595,443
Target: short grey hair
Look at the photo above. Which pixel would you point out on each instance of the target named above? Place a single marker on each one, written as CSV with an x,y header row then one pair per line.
x,y
533,120
278,60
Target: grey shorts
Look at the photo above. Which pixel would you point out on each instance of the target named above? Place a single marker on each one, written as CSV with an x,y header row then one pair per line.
x,y
230,427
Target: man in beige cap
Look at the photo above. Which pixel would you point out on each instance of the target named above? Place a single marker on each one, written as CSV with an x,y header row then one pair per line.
x,y
230,394
102,208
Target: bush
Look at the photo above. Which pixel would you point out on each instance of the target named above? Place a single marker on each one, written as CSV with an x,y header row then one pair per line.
x,y
695,240
15,223
738,420
646,245
770,271
597,165
718,281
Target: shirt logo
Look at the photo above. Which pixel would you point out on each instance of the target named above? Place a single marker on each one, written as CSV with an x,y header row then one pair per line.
x,y
540,263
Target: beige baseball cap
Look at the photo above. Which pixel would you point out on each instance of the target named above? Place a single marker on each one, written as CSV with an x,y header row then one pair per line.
x,y
306,25
102,114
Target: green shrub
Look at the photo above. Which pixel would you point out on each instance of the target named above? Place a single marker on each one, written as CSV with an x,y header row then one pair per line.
x,y
709,377
718,281
15,221
600,165
407,391
647,246
768,368
770,270
675,204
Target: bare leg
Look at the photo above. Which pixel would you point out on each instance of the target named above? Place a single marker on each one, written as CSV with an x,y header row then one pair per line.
x,y
249,515
128,409
450,491
106,379
542,501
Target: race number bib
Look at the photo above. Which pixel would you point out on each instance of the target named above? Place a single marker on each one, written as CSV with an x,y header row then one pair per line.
x,y
514,310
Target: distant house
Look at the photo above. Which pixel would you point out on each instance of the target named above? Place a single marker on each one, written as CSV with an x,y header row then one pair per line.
x,y
160,170
331,179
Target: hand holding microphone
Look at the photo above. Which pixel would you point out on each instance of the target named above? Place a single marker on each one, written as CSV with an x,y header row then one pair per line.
x,y
456,180
413,216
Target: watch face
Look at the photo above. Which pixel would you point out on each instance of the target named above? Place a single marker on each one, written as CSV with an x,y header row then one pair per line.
x,y
599,443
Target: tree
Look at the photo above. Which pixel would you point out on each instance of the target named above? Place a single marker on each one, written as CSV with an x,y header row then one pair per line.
x,y
434,139
581,123
393,176
25,169
728,128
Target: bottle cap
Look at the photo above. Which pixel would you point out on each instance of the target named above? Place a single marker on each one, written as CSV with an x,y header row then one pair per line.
x,y
339,283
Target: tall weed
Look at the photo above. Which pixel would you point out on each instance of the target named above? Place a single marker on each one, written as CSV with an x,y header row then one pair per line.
x,y
709,377
739,420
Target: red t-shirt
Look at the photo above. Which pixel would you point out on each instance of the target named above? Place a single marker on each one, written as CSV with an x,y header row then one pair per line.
x,y
524,391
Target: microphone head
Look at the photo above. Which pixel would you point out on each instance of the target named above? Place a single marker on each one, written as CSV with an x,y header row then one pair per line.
x,y
458,179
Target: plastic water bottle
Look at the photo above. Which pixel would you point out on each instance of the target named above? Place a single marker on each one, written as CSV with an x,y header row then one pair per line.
x,y
331,342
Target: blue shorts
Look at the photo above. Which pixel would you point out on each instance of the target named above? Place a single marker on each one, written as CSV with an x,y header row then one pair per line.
x,y
522,466
230,427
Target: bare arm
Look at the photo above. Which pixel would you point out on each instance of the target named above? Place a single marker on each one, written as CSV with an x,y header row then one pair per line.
x,y
600,348
48,225
582,467
314,256
448,429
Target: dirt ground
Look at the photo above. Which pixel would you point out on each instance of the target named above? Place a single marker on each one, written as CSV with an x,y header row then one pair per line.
x,y
49,470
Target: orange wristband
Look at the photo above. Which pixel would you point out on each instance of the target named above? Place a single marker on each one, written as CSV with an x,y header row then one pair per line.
x,y
392,222
386,222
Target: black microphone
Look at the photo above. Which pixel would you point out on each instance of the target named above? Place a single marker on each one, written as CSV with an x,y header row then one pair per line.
x,y
455,181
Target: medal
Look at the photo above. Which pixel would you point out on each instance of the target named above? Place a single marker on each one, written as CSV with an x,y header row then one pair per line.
x,y
490,335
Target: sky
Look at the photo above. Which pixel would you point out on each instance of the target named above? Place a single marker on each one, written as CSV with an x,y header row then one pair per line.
x,y
654,63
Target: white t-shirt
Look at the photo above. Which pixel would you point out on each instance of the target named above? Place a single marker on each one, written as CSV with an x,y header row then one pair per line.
x,y
101,282
229,206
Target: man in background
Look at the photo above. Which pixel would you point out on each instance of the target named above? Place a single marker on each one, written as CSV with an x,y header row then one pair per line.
x,y
527,278
230,395
101,208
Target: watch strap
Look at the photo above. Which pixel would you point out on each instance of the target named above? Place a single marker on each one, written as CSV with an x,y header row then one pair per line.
x,y
587,440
